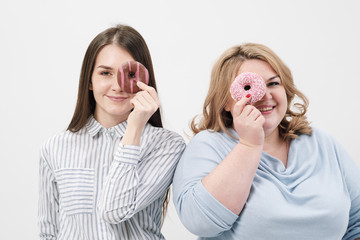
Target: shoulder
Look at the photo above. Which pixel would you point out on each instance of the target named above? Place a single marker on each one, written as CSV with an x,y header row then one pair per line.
x,y
206,134
320,141
319,135
60,139
50,141
319,132
212,137
212,142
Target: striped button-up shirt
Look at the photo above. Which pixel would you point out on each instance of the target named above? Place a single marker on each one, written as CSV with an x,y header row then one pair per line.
x,y
93,187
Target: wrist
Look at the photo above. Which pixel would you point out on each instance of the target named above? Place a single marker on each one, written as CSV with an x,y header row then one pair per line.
x,y
250,146
132,135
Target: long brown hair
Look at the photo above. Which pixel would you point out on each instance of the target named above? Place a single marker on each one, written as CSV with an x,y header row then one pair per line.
x,y
127,38
216,118
131,40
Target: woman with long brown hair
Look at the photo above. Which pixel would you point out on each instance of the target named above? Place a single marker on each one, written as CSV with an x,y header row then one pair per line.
x,y
260,171
108,175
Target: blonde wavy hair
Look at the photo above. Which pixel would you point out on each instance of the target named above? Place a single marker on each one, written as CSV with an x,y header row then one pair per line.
x,y
216,118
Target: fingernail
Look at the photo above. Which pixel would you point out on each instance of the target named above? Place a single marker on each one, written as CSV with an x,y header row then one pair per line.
x,y
248,96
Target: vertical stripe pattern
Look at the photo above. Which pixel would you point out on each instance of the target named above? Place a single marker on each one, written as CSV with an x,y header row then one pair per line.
x,y
92,187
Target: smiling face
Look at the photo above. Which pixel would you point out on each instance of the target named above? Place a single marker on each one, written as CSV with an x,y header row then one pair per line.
x,y
112,103
273,105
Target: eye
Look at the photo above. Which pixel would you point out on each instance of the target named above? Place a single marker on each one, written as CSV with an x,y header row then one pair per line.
x,y
271,84
131,75
105,73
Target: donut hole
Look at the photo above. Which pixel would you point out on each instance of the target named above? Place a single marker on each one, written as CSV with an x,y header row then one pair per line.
x,y
131,75
247,87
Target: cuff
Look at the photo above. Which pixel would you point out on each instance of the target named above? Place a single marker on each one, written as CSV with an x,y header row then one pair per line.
x,y
128,154
218,210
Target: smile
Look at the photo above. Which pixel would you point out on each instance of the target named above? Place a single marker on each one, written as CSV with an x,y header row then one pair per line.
x,y
265,109
117,99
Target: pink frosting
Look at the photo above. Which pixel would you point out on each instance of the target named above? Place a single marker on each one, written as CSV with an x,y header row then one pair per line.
x,y
130,73
248,83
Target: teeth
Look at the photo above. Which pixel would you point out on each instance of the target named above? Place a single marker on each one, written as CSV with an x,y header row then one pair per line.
x,y
265,109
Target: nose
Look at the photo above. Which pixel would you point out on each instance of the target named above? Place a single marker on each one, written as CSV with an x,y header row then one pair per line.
x,y
115,86
267,94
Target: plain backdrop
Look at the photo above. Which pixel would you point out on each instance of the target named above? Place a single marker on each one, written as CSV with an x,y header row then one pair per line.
x,y
42,45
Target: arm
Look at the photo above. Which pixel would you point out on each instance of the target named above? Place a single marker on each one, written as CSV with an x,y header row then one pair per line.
x,y
48,201
351,175
134,182
231,180
214,176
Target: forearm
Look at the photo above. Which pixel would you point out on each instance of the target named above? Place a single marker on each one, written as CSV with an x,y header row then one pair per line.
x,y
132,134
231,180
117,201
135,181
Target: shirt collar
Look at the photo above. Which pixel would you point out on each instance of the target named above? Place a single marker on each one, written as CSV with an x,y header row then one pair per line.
x,y
94,127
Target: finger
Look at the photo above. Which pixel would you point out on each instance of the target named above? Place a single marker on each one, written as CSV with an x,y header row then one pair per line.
x,y
147,102
150,90
250,111
255,113
134,101
260,119
240,105
138,105
143,86
148,99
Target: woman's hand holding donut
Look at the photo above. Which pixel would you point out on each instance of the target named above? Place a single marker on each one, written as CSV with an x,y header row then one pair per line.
x,y
145,103
248,123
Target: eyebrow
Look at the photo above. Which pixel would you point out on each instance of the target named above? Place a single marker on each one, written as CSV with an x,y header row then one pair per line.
x,y
276,76
105,67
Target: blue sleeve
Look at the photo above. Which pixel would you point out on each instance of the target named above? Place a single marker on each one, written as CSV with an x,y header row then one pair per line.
x,y
351,175
198,210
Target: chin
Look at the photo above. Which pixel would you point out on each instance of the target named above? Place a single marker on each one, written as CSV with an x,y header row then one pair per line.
x,y
270,128
118,110
115,114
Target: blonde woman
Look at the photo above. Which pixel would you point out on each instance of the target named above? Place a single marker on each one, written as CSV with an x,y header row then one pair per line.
x,y
261,171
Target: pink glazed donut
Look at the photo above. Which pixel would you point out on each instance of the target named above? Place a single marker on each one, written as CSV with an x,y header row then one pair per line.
x,y
248,83
130,73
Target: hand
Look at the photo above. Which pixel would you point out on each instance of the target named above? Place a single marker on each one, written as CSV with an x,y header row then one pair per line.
x,y
248,123
145,103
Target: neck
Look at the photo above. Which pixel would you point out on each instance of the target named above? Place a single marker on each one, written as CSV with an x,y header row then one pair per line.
x,y
107,122
277,147
273,140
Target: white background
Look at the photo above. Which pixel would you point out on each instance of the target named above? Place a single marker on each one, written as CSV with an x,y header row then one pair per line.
x,y
42,45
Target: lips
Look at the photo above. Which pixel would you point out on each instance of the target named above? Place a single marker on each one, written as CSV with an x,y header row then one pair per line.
x,y
264,109
117,98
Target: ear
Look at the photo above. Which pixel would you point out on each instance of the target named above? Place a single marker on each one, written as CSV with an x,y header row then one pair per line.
x,y
90,86
228,107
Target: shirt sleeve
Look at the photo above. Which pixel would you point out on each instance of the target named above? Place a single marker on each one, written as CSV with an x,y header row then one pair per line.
x,y
48,201
198,210
135,181
351,175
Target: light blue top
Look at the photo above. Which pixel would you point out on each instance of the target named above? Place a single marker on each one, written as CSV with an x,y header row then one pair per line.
x,y
316,197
